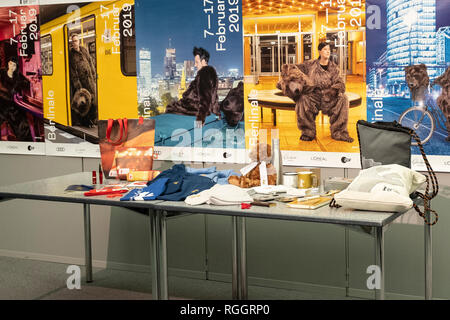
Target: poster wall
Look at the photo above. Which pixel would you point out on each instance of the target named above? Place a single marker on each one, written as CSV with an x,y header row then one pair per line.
x,y
89,71
190,78
21,106
312,109
408,79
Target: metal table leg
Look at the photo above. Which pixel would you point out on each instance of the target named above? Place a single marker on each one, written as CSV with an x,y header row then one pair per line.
x,y
162,235
234,260
154,244
243,258
87,242
379,258
428,260
347,264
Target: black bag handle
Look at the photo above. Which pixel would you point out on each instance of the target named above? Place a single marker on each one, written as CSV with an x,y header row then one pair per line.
x,y
434,183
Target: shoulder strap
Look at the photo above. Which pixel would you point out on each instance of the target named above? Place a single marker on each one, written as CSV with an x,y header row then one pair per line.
x,y
431,177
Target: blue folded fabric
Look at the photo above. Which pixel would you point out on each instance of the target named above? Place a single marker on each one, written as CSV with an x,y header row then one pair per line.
x,y
147,193
221,177
201,170
176,172
180,184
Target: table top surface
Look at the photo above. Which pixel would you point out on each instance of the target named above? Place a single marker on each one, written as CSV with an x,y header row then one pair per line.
x,y
281,211
52,189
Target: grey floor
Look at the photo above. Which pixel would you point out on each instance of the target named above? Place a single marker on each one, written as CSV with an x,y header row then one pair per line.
x,y
26,279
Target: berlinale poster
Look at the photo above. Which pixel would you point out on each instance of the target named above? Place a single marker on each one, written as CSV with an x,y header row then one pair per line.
x,y
89,71
190,78
304,70
21,114
408,80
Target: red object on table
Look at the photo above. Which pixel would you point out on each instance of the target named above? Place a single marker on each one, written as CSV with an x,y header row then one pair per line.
x,y
114,195
94,177
105,191
246,205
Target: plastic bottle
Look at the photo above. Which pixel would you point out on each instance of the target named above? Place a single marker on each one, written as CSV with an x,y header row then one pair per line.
x,y
276,160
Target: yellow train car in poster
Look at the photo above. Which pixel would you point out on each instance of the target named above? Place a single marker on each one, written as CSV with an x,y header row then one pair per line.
x,y
106,30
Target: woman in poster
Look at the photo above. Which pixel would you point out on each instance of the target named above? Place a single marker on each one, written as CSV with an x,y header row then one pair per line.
x,y
316,85
13,82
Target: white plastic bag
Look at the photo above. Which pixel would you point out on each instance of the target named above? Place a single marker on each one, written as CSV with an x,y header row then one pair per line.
x,y
381,188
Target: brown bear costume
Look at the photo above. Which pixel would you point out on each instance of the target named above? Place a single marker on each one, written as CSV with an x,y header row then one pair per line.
x,y
313,88
417,80
443,100
201,98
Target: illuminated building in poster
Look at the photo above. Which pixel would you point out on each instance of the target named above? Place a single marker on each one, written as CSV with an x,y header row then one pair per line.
x,y
170,64
145,67
411,39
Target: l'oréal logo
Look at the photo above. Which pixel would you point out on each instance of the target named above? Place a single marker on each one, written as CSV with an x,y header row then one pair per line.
x,y
418,162
319,159
447,163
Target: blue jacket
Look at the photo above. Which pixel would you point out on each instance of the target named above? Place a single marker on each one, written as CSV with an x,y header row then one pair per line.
x,y
181,184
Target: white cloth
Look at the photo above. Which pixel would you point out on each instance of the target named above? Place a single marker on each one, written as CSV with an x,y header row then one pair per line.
x,y
222,195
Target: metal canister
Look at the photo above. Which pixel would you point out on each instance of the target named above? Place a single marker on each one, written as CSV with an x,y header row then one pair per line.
x,y
290,179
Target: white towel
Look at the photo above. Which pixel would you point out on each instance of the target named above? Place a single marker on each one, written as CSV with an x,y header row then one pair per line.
x,y
222,195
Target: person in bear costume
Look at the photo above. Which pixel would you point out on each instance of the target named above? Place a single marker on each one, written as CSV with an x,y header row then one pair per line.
x,y
200,99
83,75
443,100
317,85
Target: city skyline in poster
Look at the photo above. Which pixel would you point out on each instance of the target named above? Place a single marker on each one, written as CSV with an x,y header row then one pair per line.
x,y
191,124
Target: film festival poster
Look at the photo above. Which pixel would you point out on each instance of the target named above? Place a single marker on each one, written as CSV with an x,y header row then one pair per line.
x,y
305,72
88,71
190,78
408,75
21,107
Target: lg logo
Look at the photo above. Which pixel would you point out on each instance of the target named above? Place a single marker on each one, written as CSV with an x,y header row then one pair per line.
x,y
30,148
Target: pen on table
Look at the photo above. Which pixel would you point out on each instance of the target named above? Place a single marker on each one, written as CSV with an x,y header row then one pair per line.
x,y
263,204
